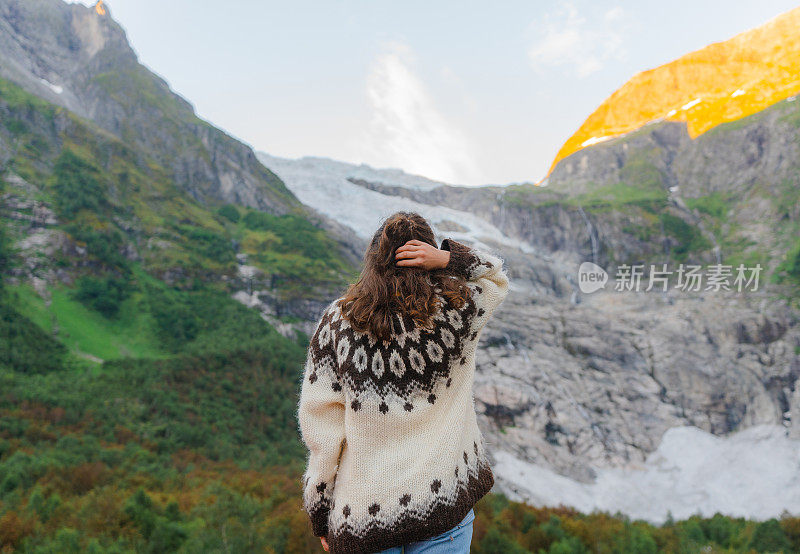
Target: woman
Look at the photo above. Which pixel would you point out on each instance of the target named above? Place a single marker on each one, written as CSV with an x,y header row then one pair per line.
x,y
396,459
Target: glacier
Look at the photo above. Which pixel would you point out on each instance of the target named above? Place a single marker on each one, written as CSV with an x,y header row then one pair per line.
x,y
753,473
323,184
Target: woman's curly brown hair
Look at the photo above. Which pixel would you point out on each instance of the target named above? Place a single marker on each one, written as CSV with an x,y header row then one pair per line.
x,y
384,289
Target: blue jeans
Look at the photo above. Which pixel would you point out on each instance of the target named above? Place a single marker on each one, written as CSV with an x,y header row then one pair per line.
x,y
455,541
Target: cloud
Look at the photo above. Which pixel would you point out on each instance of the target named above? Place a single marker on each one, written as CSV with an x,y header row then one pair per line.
x,y
568,41
406,129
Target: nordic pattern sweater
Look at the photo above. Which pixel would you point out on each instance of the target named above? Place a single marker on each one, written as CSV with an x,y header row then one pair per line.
x,y
395,452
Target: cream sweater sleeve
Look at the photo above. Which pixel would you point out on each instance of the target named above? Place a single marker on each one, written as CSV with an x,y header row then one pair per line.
x,y
321,417
483,268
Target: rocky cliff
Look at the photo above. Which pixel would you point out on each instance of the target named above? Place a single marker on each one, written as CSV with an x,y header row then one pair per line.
x,y
165,167
586,385
79,58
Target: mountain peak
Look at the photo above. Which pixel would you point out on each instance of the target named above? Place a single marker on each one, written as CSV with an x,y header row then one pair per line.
x,y
721,82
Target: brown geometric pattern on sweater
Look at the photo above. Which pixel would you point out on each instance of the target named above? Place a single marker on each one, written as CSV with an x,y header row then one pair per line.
x,y
416,359
318,514
439,517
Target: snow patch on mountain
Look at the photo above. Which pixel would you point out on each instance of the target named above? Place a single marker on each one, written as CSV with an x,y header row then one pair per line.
x,y
323,185
691,104
386,176
753,473
55,88
595,140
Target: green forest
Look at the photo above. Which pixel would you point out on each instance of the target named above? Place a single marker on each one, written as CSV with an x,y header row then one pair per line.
x,y
198,451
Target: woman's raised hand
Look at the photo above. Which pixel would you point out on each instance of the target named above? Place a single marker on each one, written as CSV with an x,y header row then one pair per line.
x,y
416,253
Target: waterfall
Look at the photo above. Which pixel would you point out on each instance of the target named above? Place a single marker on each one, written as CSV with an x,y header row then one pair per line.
x,y
592,234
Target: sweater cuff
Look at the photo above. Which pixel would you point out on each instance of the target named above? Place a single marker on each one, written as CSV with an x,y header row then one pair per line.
x,y
465,261
319,518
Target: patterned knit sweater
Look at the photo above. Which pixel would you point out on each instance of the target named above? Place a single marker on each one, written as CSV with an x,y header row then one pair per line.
x,y
395,452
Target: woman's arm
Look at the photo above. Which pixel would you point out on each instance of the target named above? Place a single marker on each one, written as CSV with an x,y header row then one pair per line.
x,y
485,269
475,265
321,417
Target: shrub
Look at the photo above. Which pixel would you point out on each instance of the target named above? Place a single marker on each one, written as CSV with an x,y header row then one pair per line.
x,y
77,186
24,347
688,237
790,266
103,294
296,234
176,320
103,245
5,256
229,212
210,244
162,534
768,536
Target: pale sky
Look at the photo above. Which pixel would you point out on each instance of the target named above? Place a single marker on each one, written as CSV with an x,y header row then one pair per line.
x,y
467,92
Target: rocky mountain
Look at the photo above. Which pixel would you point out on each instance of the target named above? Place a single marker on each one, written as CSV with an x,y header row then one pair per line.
x,y
79,58
153,152
719,83
584,394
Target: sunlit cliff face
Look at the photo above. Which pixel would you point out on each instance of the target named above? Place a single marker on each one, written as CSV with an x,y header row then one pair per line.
x,y
100,8
722,82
